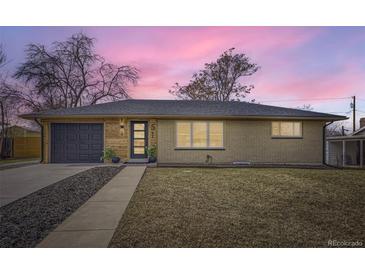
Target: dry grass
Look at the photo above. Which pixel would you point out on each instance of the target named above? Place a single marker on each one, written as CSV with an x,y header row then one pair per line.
x,y
233,207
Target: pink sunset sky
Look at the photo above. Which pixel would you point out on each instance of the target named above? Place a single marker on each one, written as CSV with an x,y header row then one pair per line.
x,y
307,63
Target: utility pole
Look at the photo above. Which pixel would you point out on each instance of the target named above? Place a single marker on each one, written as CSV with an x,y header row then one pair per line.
x,y
353,113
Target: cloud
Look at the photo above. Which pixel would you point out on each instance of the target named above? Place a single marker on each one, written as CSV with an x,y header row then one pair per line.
x,y
345,82
173,54
297,62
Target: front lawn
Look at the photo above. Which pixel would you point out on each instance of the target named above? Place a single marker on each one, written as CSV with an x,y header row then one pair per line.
x,y
244,207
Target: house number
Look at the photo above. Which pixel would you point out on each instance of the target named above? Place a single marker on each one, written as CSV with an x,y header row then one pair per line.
x,y
153,128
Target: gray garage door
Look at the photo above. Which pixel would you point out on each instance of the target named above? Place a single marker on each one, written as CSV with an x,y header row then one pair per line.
x,y
76,143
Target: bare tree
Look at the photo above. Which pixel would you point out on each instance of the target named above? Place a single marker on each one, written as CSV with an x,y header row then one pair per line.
x,y
2,56
336,129
306,107
8,102
219,80
2,100
70,74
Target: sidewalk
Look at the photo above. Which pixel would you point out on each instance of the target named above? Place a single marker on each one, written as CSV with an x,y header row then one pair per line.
x,y
94,223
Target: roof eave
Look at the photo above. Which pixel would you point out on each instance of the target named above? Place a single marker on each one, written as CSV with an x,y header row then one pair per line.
x,y
323,118
347,137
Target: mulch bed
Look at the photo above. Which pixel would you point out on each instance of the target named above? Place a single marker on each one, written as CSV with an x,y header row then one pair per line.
x,y
25,222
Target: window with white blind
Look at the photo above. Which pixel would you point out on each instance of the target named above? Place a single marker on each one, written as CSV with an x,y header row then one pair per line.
x,y
199,134
286,129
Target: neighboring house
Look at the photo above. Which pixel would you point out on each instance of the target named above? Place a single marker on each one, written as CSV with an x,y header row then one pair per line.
x,y
184,132
349,150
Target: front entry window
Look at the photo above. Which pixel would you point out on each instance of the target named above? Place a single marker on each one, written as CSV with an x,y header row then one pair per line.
x,y
139,139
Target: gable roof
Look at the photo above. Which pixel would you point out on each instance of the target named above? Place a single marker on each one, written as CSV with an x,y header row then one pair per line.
x,y
181,108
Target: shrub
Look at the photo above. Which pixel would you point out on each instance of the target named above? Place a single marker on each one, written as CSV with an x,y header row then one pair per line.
x,y
109,154
152,151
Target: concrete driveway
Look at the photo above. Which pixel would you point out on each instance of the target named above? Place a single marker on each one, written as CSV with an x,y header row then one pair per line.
x,y
18,182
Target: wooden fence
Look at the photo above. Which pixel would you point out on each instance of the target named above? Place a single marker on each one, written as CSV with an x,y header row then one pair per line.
x,y
26,147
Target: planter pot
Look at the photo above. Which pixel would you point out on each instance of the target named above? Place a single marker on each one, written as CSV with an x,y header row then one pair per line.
x,y
115,160
152,159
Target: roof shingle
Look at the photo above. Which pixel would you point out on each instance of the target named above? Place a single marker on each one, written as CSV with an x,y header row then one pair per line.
x,y
133,107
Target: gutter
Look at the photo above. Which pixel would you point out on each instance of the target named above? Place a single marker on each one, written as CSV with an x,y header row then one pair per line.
x,y
324,144
184,117
42,139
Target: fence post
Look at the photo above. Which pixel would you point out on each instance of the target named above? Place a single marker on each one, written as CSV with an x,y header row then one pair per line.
x,y
343,153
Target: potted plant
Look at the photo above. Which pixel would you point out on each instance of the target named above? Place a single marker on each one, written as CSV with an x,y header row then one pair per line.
x,y
152,153
110,156
115,160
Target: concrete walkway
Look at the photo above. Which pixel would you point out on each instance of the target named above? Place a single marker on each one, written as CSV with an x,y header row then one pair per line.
x,y
94,223
18,182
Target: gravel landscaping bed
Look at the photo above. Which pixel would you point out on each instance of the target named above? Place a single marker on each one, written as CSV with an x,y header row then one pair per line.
x,y
25,222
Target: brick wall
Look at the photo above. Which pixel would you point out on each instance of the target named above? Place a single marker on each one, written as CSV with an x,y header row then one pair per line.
x,y
246,140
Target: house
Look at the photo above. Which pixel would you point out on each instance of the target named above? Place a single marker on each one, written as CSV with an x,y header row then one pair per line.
x,y
349,150
184,132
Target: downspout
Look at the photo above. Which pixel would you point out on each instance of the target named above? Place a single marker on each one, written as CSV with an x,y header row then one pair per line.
x,y
324,144
40,124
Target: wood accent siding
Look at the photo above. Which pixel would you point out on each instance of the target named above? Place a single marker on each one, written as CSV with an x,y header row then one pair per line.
x,y
247,141
116,137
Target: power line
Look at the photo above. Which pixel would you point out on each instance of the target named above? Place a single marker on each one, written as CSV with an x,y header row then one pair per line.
x,y
353,110
345,112
303,99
